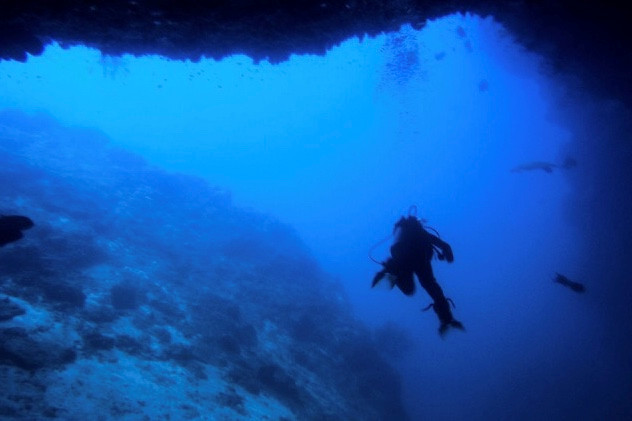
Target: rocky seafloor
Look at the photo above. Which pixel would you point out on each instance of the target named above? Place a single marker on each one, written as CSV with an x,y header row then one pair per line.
x,y
141,294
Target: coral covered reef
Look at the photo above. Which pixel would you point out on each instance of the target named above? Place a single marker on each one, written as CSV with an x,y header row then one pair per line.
x,y
141,294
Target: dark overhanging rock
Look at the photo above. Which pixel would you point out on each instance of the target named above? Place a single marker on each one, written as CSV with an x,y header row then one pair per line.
x,y
588,39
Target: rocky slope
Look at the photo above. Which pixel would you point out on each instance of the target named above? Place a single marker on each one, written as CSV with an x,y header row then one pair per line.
x,y
146,295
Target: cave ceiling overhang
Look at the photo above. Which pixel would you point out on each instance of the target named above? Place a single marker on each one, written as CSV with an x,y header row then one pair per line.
x,y
586,38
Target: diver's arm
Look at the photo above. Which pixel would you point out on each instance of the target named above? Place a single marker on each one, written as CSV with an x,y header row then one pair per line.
x,y
445,247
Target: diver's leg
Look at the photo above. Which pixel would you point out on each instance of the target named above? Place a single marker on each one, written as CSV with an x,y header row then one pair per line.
x,y
441,306
405,283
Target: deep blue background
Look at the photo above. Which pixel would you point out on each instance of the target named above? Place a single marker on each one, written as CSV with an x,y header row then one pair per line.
x,y
340,146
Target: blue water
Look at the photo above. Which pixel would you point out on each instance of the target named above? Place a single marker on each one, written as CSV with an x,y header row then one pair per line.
x,y
340,146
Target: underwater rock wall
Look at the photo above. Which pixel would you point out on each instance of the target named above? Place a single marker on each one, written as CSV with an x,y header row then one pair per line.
x,y
143,294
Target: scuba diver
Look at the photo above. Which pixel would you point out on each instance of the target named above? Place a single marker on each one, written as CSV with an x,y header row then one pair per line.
x,y
563,280
411,253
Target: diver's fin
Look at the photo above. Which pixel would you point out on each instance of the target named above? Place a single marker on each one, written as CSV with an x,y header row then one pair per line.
x,y
428,307
378,277
452,323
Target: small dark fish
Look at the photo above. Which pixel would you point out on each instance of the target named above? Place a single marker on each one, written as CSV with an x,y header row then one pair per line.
x,y
548,167
575,286
483,85
11,227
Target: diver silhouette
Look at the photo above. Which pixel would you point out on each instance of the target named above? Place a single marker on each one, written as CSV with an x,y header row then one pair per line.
x,y
411,254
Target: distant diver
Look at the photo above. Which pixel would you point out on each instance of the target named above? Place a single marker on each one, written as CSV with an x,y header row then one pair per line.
x,y
411,253
545,166
563,280
11,227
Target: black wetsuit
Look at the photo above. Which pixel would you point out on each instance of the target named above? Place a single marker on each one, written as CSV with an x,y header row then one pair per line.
x,y
411,255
